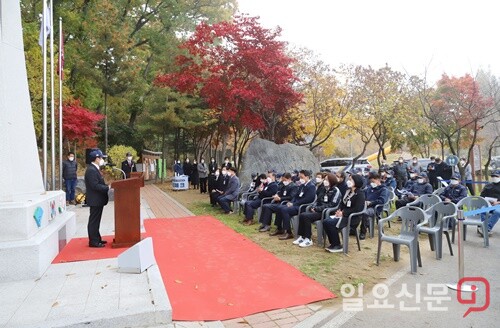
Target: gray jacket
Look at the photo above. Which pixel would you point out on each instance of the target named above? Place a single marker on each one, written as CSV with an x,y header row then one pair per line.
x,y
202,170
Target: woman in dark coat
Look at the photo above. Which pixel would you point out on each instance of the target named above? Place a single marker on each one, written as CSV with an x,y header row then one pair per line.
x,y
195,176
353,202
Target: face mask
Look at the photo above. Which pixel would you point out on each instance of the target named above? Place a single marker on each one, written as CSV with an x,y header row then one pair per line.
x,y
495,179
389,176
226,161
373,184
71,159
433,161
187,160
224,172
413,176
401,161
462,163
101,162
178,162
415,162
263,180
350,184
302,181
420,180
129,158
202,161
269,180
217,173
454,182
326,183
286,183
319,180
213,160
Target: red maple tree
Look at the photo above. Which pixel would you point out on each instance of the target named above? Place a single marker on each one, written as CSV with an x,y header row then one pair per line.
x,y
241,71
80,125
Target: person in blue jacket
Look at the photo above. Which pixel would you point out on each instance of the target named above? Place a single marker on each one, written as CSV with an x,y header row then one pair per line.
x,y
455,191
306,195
268,188
375,194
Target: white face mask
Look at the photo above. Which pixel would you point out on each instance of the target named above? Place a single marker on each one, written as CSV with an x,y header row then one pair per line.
x,y
71,158
350,184
187,160
226,161
400,161
224,172
263,180
269,180
213,160
129,158
495,179
319,180
202,161
217,173
389,176
415,162
462,163
302,181
420,180
286,183
373,184
326,183
454,182
413,175
101,162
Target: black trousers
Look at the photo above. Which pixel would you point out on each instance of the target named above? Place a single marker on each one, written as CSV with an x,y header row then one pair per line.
x,y
94,224
203,185
305,221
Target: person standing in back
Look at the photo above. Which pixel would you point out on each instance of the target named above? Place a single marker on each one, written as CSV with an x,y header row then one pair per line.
x,y
128,165
70,169
203,174
96,197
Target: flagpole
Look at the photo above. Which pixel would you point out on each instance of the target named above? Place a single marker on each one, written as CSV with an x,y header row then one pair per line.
x,y
44,97
52,109
60,103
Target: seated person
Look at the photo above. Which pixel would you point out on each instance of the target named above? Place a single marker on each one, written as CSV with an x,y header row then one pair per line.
x,y
306,194
388,180
327,197
492,191
286,192
220,185
455,191
342,179
231,193
375,194
422,187
353,202
267,189
408,185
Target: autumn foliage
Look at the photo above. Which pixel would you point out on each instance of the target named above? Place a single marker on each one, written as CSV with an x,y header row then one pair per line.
x,y
240,70
79,123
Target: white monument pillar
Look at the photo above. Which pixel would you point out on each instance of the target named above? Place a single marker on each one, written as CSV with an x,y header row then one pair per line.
x,y
34,224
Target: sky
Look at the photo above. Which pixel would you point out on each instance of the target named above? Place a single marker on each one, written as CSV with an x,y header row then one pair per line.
x,y
433,36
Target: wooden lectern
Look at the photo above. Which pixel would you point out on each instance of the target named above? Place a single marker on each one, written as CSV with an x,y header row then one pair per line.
x,y
128,210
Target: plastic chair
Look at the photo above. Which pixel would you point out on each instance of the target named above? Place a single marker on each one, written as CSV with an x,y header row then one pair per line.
x,y
411,218
438,219
438,191
319,225
246,196
425,201
473,203
294,220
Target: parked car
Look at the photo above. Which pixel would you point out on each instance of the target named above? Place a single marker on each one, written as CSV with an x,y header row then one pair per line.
x,y
495,162
423,162
343,163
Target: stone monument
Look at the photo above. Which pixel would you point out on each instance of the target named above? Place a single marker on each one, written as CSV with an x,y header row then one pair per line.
x,y
34,224
263,155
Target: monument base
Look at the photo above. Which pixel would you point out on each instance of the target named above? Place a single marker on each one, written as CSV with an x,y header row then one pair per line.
x,y
38,228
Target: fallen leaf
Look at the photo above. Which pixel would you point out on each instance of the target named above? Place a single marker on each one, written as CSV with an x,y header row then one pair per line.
x,y
55,304
178,281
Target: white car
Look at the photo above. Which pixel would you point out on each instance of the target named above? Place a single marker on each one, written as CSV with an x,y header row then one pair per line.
x,y
343,164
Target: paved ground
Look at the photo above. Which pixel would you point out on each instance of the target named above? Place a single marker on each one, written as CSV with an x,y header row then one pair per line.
x,y
93,290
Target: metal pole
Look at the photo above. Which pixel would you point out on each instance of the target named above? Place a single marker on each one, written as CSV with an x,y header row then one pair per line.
x,y
44,97
463,287
52,110
60,68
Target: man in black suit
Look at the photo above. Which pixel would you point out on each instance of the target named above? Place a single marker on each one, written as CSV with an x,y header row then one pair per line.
x,y
128,165
231,192
96,197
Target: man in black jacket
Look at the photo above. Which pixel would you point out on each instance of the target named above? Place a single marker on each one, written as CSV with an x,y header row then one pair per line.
x,y
267,189
69,174
128,165
96,197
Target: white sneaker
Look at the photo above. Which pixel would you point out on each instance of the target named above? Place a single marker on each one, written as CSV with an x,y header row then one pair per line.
x,y
306,243
298,240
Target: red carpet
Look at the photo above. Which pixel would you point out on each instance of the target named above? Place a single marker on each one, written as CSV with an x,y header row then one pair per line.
x,y
78,250
213,273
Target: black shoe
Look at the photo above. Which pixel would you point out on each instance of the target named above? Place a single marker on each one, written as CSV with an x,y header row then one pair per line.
x,y
277,233
265,229
286,236
104,242
362,236
98,245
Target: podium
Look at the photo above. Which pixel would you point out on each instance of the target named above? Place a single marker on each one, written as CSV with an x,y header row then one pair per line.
x,y
128,210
